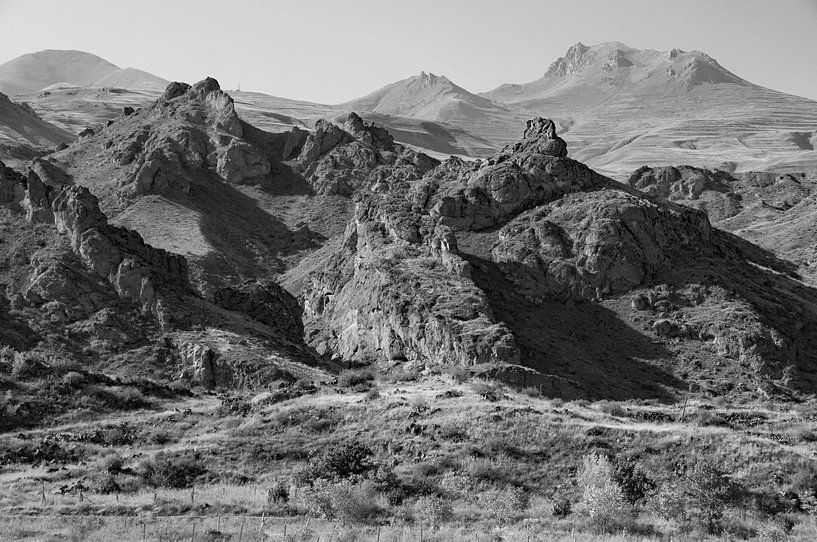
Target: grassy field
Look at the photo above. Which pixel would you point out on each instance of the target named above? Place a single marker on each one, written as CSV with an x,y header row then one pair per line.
x,y
453,457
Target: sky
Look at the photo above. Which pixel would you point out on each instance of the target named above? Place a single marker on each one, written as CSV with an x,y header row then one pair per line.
x,y
331,51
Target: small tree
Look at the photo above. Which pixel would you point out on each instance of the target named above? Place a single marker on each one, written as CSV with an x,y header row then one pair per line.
x,y
710,490
432,510
602,500
505,505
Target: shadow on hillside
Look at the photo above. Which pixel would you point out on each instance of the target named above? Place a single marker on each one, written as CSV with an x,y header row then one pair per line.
x,y
248,240
585,343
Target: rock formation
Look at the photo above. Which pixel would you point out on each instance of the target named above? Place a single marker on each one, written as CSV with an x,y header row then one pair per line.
x,y
540,228
357,157
265,302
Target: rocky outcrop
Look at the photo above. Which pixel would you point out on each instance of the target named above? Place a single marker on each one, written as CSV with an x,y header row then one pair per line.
x,y
592,244
385,297
200,364
12,185
265,302
356,158
50,173
37,201
151,277
529,173
190,128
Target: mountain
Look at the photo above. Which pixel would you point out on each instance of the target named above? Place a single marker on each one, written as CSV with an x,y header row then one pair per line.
x,y
436,98
35,71
622,108
424,96
131,78
23,134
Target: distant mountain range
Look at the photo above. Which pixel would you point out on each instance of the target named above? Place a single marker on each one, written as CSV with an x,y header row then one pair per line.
x,y
617,107
37,71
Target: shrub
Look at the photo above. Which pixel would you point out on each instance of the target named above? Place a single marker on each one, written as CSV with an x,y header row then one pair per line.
x,y
490,391
602,499
73,379
504,506
562,506
278,493
28,365
344,500
107,484
710,490
669,502
458,373
172,472
355,377
611,408
432,510
372,395
340,463
111,464
634,483
457,484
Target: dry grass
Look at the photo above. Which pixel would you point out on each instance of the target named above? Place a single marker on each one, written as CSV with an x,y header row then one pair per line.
x,y
427,429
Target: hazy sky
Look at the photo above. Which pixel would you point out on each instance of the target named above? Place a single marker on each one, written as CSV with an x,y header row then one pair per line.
x,y
331,51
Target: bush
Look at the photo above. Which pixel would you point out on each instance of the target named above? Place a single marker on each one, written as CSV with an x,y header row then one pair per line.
x,y
111,464
710,491
562,506
73,379
29,365
278,493
355,377
457,484
669,502
432,510
602,499
171,472
458,373
504,506
635,484
344,500
372,395
490,391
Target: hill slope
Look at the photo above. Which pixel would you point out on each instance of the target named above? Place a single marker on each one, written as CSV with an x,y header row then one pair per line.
x,y
23,133
35,71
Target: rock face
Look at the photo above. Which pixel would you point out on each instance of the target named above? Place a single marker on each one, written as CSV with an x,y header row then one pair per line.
x,y
384,297
356,157
188,129
37,201
12,185
531,172
151,277
592,244
452,268
265,302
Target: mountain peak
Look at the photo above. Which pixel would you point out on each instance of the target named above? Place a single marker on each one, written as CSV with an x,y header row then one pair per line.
x,y
430,79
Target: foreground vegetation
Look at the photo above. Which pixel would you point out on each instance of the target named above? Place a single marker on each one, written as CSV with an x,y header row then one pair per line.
x,y
443,457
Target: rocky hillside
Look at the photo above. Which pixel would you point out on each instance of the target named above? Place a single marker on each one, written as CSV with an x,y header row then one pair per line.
x,y
528,266
775,211
23,134
94,294
535,265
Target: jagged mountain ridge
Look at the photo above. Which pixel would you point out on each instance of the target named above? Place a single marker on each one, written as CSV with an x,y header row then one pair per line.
x,y
625,107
